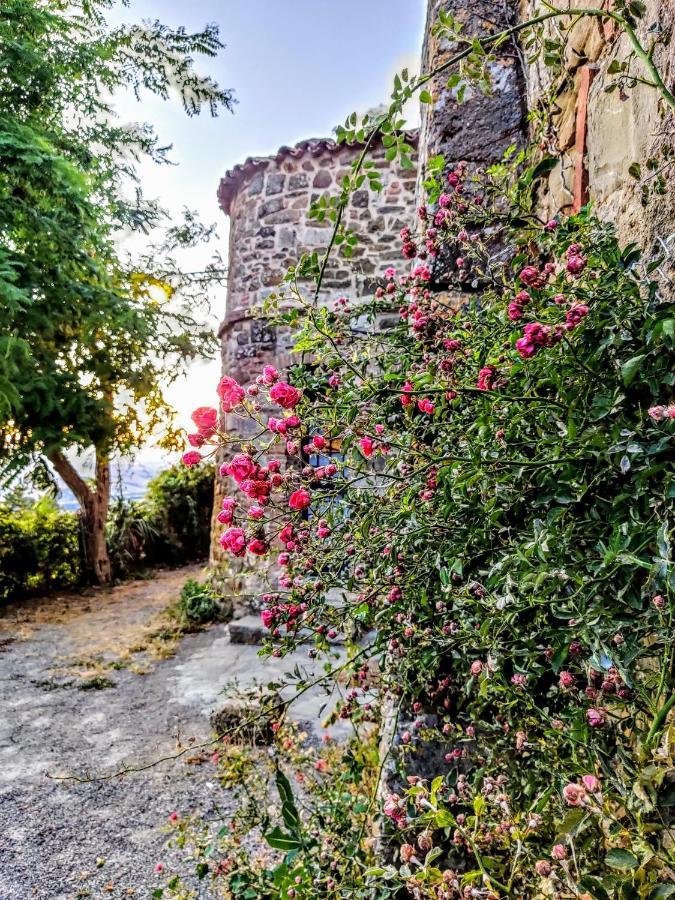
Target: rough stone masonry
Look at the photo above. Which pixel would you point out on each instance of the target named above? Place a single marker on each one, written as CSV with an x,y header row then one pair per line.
x,y
268,200
597,135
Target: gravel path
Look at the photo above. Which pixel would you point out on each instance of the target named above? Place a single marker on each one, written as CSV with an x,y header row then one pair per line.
x,y
99,839
61,840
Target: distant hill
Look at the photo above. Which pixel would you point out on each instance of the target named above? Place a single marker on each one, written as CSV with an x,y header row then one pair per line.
x,y
129,478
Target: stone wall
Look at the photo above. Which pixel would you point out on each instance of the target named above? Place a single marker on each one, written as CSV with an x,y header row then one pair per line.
x,y
267,200
482,127
598,134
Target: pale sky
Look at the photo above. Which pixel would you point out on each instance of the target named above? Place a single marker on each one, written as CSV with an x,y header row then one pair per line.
x,y
297,68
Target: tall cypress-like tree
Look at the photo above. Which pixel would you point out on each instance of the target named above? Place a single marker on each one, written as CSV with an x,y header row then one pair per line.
x,y
88,339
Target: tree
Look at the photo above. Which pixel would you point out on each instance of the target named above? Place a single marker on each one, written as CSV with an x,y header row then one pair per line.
x,y
89,339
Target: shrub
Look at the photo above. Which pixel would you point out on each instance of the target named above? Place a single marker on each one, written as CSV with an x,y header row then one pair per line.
x,y
39,549
170,526
40,546
178,505
507,466
197,604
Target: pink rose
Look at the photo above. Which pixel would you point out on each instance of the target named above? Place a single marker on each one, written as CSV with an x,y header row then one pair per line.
x,y
486,377
529,275
407,852
256,512
576,265
574,794
267,616
255,490
285,395
426,406
206,419
366,445
566,680
286,533
405,399
591,784
191,458
231,393
241,467
558,851
234,540
595,717
300,499
257,546
525,348
657,413
394,808
575,314
277,426
196,440
270,374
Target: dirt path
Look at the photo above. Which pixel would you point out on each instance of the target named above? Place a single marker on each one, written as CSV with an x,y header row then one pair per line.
x,y
100,839
61,840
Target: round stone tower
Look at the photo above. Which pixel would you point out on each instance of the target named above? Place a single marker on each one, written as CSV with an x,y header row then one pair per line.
x,y
267,200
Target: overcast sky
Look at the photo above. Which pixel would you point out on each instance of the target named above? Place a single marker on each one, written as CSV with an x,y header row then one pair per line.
x,y
297,69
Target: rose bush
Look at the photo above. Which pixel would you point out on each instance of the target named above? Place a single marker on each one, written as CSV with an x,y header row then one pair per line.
x,y
500,515
474,477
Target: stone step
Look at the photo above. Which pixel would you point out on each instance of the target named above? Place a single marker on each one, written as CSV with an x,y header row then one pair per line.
x,y
247,630
250,630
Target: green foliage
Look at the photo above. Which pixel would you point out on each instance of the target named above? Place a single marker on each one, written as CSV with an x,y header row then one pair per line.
x,y
40,546
509,539
179,503
39,549
89,339
312,830
197,604
170,526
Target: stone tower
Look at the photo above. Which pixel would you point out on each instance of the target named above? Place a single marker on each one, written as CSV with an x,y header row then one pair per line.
x,y
267,200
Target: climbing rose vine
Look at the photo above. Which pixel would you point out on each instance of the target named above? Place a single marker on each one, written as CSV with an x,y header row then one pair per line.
x,y
476,473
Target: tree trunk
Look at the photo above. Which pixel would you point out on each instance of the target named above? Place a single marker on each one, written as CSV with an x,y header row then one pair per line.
x,y
94,507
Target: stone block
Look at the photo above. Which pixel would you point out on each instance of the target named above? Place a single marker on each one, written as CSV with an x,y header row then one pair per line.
x,y
271,206
284,216
360,199
566,119
255,185
297,182
247,719
247,630
322,179
261,332
275,183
